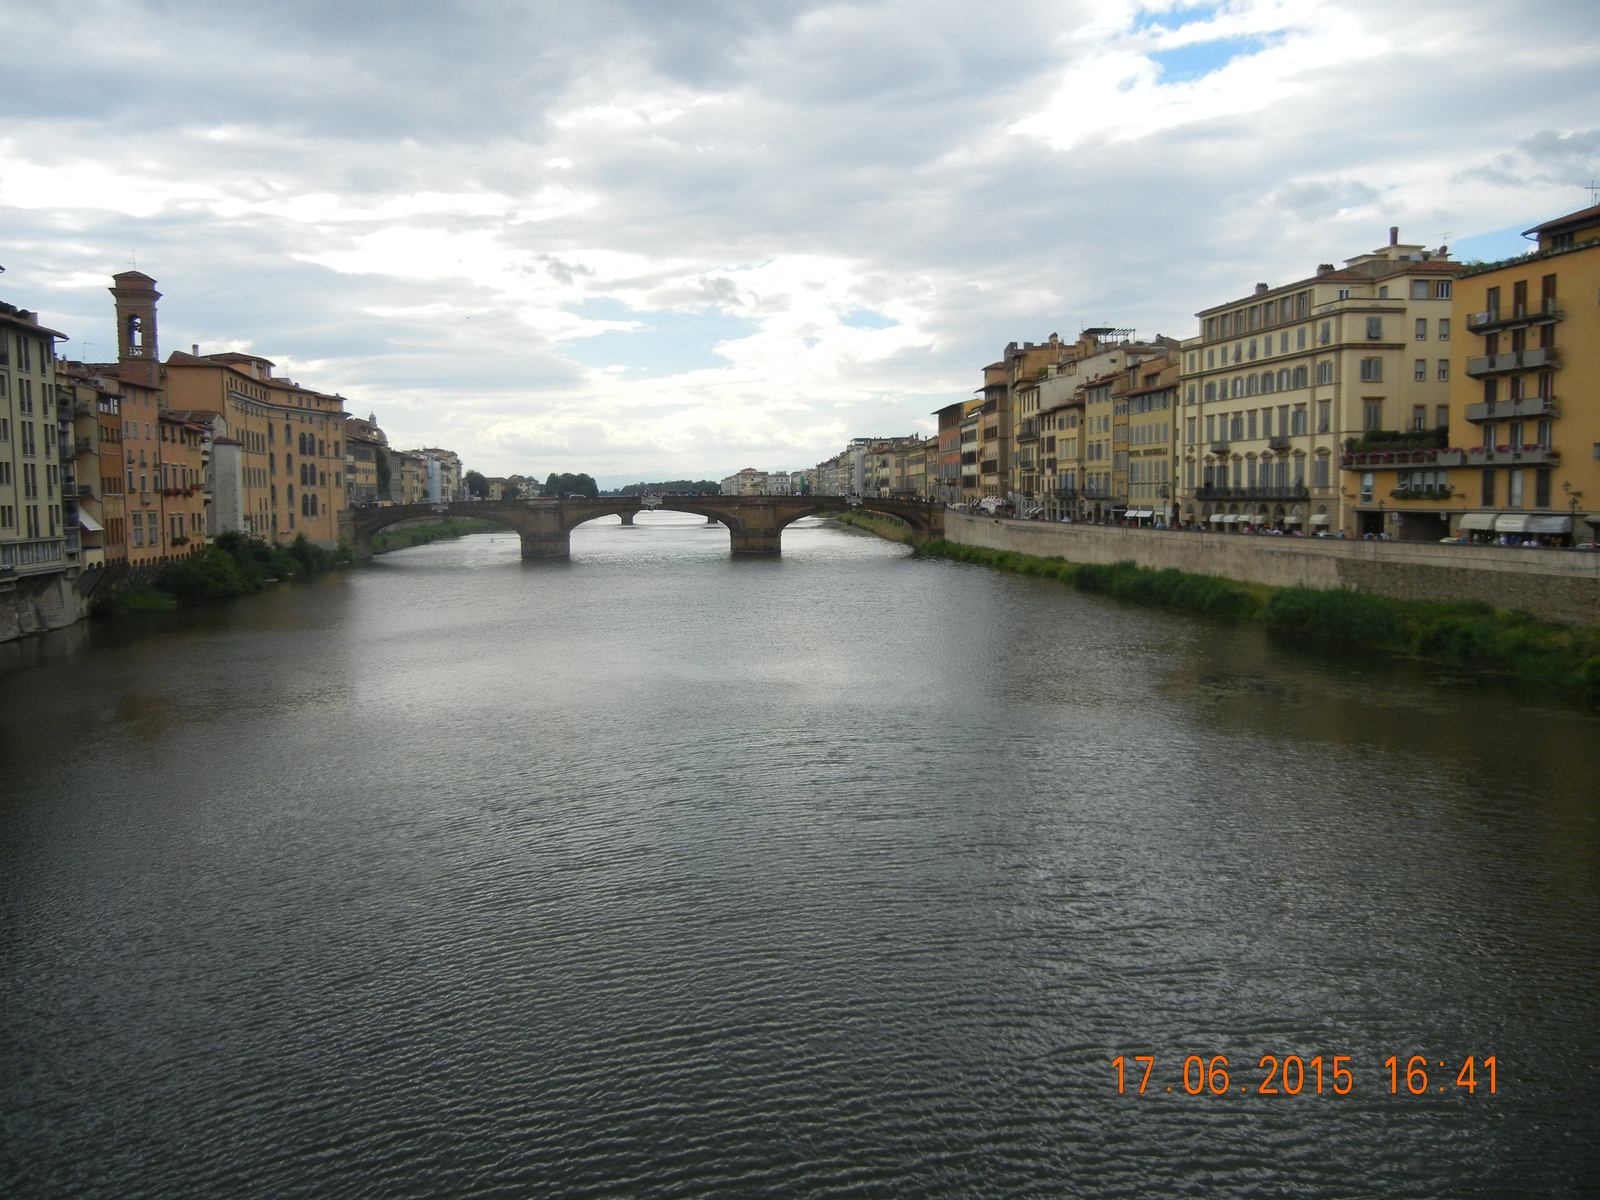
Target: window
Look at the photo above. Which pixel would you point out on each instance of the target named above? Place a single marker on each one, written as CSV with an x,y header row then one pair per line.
x,y
1374,329
1211,429
1300,418
1190,395
1236,426
1266,381
1419,291
1325,334
1372,415
1189,431
1546,430
1443,373
1514,482
1300,338
1211,358
1324,415
1419,370
1441,289
1252,353
1383,292
1444,329
1372,370
1422,329
1419,417
1252,385
1238,351
1366,487
1488,489
1252,425
1344,293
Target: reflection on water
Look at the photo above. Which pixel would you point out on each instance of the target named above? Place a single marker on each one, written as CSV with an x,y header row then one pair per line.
x,y
661,873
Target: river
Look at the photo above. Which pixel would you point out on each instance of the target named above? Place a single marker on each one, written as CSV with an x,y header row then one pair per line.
x,y
657,873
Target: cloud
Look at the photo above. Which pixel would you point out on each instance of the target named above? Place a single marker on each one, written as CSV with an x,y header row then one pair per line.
x,y
627,237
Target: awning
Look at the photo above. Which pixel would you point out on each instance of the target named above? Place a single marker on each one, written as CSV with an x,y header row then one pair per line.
x,y
90,523
1139,512
1549,524
1320,519
1294,520
1233,518
1512,523
1219,516
1479,521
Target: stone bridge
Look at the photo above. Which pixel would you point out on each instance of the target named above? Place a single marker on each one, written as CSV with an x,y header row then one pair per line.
x,y
756,523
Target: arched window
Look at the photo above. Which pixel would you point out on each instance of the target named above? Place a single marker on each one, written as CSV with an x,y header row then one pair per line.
x,y
313,504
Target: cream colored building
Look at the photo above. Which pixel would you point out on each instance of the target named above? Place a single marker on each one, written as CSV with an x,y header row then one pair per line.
x,y
1279,381
34,535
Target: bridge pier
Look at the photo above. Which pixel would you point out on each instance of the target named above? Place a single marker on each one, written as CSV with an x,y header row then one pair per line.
x,y
756,543
627,518
546,545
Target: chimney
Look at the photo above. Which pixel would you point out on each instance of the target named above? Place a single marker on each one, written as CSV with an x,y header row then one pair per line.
x,y
196,348
1262,289
1324,268
135,296
1394,235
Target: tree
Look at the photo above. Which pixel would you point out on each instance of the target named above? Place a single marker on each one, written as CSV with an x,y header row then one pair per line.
x,y
567,485
477,485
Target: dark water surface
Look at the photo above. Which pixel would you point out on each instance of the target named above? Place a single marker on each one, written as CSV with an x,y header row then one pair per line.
x,y
662,874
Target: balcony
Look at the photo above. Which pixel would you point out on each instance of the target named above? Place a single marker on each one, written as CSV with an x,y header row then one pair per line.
x,y
1502,410
1530,454
1278,442
1220,447
1065,493
1389,459
1546,313
1539,358
1423,493
1290,492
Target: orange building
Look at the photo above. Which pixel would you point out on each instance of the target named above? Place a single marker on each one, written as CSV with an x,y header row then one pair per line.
x,y
286,479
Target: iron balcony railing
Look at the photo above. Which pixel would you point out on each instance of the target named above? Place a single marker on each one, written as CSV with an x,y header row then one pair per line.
x,y
1547,357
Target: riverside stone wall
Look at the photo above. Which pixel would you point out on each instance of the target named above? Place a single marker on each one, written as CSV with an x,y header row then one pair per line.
x,y
36,603
1555,585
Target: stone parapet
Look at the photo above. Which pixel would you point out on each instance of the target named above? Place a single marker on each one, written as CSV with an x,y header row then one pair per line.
x,y
1554,585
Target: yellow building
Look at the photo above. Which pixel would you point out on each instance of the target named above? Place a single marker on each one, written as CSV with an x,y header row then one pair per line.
x,y
366,466
1282,382
1151,401
1527,369
34,536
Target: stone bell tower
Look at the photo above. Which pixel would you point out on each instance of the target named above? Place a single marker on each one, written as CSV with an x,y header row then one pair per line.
x,y
135,294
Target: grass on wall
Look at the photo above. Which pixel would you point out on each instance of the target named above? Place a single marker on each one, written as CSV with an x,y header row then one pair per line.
x,y
1463,633
421,535
885,527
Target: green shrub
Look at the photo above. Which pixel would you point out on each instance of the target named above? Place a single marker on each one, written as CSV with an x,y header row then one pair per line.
x,y
211,575
143,599
1338,615
1589,675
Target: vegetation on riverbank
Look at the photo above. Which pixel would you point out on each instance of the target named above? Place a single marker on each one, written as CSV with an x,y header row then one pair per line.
x,y
234,566
1461,633
420,535
885,527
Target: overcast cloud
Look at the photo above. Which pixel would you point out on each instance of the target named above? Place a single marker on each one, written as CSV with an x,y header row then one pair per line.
x,y
657,239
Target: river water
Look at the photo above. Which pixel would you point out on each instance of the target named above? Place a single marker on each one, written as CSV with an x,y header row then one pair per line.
x,y
657,873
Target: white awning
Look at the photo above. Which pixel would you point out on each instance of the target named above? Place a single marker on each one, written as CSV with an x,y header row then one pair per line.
x,y
1549,524
90,523
1219,516
1294,520
1479,521
1233,518
1139,512
1320,519
1512,523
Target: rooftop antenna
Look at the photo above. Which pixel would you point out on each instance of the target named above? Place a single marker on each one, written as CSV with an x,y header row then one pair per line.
x,y
1593,189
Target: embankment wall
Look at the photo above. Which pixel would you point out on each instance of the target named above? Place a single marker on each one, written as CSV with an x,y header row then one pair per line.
x,y
1554,585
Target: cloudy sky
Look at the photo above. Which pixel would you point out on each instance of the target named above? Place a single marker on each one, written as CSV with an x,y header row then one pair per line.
x,y
656,238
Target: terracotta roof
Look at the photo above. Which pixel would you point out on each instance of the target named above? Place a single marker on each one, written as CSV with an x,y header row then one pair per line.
x,y
1582,218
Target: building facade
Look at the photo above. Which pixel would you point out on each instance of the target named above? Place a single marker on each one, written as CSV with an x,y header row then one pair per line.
x,y
1525,463
1281,383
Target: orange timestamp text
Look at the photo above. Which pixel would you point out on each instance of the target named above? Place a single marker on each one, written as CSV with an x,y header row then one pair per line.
x,y
1293,1075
